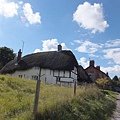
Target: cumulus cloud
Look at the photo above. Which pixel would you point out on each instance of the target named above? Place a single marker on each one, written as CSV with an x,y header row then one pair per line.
x,y
83,61
90,17
51,45
30,16
114,69
113,53
87,46
8,9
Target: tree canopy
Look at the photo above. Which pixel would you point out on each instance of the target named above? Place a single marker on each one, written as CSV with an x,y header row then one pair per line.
x,y
6,55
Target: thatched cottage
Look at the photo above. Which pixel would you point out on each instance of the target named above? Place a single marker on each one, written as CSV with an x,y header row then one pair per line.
x,y
53,67
83,76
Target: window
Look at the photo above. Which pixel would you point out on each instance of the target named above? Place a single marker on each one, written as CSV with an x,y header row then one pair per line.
x,y
34,77
20,76
57,79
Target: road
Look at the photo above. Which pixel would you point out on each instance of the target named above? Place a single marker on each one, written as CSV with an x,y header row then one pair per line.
x,y
116,114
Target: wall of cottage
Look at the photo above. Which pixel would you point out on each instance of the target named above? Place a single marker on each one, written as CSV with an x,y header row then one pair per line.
x,y
61,77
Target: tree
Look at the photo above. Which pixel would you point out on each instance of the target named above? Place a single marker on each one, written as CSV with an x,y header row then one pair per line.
x,y
6,55
102,83
115,78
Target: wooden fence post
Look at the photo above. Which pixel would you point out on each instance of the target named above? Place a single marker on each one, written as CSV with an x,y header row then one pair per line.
x,y
74,87
37,94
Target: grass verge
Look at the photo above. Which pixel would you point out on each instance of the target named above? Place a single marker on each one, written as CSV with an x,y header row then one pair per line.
x,y
55,103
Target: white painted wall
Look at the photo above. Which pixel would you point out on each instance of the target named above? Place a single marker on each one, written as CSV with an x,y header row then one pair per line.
x,y
48,76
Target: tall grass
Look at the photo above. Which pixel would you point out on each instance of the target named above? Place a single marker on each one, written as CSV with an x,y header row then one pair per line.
x,y
16,96
55,102
89,104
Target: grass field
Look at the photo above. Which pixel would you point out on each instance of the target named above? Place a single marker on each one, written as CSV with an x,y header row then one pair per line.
x,y
55,102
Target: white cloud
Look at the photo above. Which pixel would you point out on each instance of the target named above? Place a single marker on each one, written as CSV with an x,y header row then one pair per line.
x,y
113,53
92,55
78,41
30,16
8,9
37,50
90,17
83,62
21,2
64,47
114,69
87,46
51,45
113,43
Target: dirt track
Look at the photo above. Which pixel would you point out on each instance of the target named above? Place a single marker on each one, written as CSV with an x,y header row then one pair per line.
x,y
116,114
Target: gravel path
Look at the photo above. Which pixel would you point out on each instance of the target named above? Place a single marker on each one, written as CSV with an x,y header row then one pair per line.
x,y
116,114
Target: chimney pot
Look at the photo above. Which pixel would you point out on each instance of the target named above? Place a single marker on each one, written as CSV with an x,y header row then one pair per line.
x,y
98,67
19,55
59,47
91,63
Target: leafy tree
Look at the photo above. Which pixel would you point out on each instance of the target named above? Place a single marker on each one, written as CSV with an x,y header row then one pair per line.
x,y
115,78
102,83
6,55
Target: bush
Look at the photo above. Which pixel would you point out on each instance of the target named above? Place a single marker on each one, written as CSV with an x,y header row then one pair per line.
x,y
103,83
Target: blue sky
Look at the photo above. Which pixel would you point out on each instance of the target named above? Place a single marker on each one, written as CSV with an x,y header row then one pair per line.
x,y
89,28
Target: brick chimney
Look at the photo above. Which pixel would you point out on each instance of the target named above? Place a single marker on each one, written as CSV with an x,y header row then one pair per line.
x,y
59,47
19,55
98,67
91,63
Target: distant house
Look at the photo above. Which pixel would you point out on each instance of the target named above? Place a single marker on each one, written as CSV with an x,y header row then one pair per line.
x,y
95,72
54,67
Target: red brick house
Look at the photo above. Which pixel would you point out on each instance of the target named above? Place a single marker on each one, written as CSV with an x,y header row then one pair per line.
x,y
95,72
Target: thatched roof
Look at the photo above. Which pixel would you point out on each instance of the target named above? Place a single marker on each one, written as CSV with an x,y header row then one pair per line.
x,y
62,60
83,76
